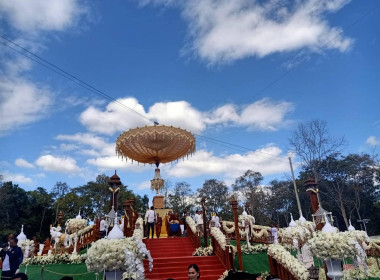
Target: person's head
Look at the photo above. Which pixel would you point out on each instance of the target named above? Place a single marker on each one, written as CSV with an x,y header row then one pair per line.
x,y
67,278
151,207
13,242
20,276
193,272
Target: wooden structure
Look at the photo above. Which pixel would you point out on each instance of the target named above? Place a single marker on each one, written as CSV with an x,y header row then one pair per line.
x,y
225,255
278,270
130,217
234,205
195,238
114,183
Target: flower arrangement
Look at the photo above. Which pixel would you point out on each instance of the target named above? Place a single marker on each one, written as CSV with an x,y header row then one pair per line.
x,y
281,255
249,249
26,243
75,225
113,254
358,235
326,245
301,233
203,251
191,223
246,218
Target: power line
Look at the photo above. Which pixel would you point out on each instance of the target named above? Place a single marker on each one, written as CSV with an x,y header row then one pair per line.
x,y
58,70
36,58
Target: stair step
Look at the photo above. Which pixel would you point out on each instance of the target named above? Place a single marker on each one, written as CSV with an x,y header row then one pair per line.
x,y
172,256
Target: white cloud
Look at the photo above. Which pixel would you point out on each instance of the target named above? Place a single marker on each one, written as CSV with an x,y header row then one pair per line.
x,y
16,178
145,185
373,141
223,31
41,15
58,164
261,115
100,145
114,162
21,103
23,163
267,160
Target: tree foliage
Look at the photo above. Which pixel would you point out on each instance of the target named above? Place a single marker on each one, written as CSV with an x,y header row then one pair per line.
x,y
312,143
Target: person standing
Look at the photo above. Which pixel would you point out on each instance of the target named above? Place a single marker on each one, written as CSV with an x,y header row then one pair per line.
x,y
273,232
151,219
199,221
102,227
12,258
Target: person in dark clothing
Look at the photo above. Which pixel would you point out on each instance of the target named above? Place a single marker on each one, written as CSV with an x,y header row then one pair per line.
x,y
20,276
12,258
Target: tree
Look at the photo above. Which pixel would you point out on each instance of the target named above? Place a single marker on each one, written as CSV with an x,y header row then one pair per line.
x,y
165,190
216,194
312,143
179,200
59,190
98,194
257,196
281,201
348,185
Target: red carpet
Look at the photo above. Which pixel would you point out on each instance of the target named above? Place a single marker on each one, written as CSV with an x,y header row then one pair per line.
x,y
172,256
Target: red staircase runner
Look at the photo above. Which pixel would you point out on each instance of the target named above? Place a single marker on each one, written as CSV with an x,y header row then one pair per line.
x,y
172,256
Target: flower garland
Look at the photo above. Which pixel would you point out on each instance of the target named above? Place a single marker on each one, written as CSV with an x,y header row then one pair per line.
x,y
374,244
191,223
326,245
53,259
219,237
281,255
224,275
229,227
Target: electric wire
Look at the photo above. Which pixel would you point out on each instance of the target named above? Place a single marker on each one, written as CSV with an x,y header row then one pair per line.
x,y
45,63
38,59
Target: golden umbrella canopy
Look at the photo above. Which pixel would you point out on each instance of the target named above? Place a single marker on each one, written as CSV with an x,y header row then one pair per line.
x,y
155,144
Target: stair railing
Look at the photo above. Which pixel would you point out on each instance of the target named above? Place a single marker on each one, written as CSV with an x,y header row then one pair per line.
x,y
194,235
278,270
224,253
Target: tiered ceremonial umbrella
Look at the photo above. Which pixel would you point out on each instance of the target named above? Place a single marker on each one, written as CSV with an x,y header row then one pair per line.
x,y
154,145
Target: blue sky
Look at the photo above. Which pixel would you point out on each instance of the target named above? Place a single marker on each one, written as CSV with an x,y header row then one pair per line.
x,y
243,72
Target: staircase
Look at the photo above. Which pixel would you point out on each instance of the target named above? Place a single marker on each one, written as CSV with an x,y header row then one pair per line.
x,y
172,256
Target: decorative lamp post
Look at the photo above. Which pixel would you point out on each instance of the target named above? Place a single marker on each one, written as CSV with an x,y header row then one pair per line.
x,y
157,183
234,205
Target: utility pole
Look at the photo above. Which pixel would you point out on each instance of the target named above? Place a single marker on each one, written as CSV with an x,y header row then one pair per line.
x,y
295,188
